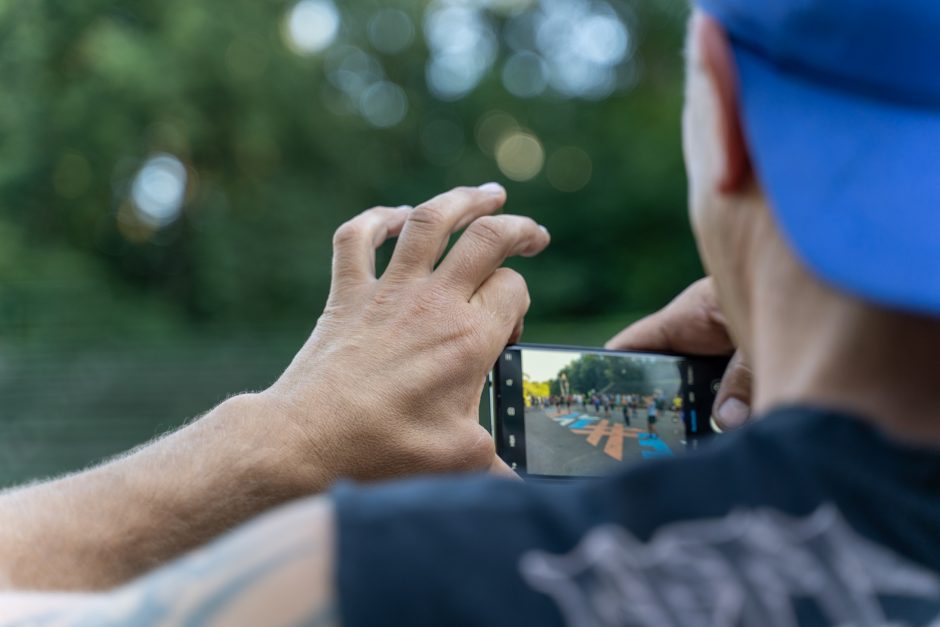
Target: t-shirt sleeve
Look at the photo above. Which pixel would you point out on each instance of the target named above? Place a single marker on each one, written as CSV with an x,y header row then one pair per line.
x,y
447,551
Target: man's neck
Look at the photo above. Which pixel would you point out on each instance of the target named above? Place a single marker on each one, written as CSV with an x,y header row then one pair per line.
x,y
816,347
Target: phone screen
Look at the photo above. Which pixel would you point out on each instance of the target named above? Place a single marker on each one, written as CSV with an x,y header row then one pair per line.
x,y
568,412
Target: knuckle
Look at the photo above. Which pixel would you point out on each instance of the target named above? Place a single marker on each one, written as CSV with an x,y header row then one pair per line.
x,y
527,224
739,372
515,282
473,343
423,306
348,232
428,214
465,338
382,298
514,291
470,448
488,230
480,448
464,191
428,305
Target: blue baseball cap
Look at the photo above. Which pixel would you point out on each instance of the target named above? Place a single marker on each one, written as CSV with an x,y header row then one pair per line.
x,y
840,104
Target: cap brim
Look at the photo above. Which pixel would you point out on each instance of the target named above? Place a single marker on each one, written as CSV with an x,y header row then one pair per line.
x,y
854,182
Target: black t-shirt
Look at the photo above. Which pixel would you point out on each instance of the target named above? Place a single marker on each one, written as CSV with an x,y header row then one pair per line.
x,y
804,518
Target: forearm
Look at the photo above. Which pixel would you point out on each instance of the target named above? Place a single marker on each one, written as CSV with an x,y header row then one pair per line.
x,y
103,526
274,571
419,340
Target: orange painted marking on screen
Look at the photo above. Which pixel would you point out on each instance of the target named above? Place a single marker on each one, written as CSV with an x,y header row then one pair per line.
x,y
614,446
597,432
615,435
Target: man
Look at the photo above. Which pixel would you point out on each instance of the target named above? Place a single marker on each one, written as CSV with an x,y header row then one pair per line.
x,y
810,130
652,408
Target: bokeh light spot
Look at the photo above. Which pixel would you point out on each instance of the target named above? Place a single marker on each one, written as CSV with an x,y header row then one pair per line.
x,y
520,155
583,79
311,26
452,76
601,38
383,104
569,169
455,29
159,189
525,75
463,47
352,70
583,43
391,31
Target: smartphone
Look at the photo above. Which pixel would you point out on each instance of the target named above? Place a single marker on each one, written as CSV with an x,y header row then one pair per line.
x,y
564,411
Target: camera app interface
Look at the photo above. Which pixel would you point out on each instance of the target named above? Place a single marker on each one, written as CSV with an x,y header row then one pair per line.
x,y
587,413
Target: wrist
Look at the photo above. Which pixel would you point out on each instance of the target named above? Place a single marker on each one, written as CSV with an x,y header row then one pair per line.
x,y
277,446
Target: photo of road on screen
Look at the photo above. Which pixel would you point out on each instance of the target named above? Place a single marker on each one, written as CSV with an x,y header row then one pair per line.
x,y
587,413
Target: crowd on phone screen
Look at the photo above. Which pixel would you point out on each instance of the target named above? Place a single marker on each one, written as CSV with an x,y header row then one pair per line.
x,y
628,407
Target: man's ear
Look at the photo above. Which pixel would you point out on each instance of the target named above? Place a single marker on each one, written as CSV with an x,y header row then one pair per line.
x,y
718,61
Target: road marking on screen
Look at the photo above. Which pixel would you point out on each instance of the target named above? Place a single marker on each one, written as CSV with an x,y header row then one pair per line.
x,y
657,447
615,434
597,429
584,421
614,447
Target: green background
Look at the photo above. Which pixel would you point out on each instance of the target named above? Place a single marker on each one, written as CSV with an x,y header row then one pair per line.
x,y
113,331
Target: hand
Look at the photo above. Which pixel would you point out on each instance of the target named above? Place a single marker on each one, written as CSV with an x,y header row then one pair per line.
x,y
389,382
694,325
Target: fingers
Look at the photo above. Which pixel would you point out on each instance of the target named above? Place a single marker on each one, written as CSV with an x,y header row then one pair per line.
x,y
355,241
692,323
431,224
485,245
733,402
505,296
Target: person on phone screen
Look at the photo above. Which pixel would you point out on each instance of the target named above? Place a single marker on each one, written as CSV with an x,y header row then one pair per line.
x,y
810,132
651,410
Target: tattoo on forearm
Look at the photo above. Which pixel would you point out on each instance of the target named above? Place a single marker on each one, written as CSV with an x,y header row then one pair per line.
x,y
208,609
221,573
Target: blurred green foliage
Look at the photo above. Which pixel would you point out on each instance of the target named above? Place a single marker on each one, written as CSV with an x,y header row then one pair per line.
x,y
603,374
91,89
275,158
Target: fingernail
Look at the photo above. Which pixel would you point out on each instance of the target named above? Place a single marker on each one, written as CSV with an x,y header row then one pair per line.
x,y
733,413
544,230
491,188
405,207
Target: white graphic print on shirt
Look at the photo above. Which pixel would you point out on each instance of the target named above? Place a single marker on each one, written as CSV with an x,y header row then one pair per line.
x,y
749,568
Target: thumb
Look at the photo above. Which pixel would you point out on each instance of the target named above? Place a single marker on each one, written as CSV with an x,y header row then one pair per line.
x,y
733,401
